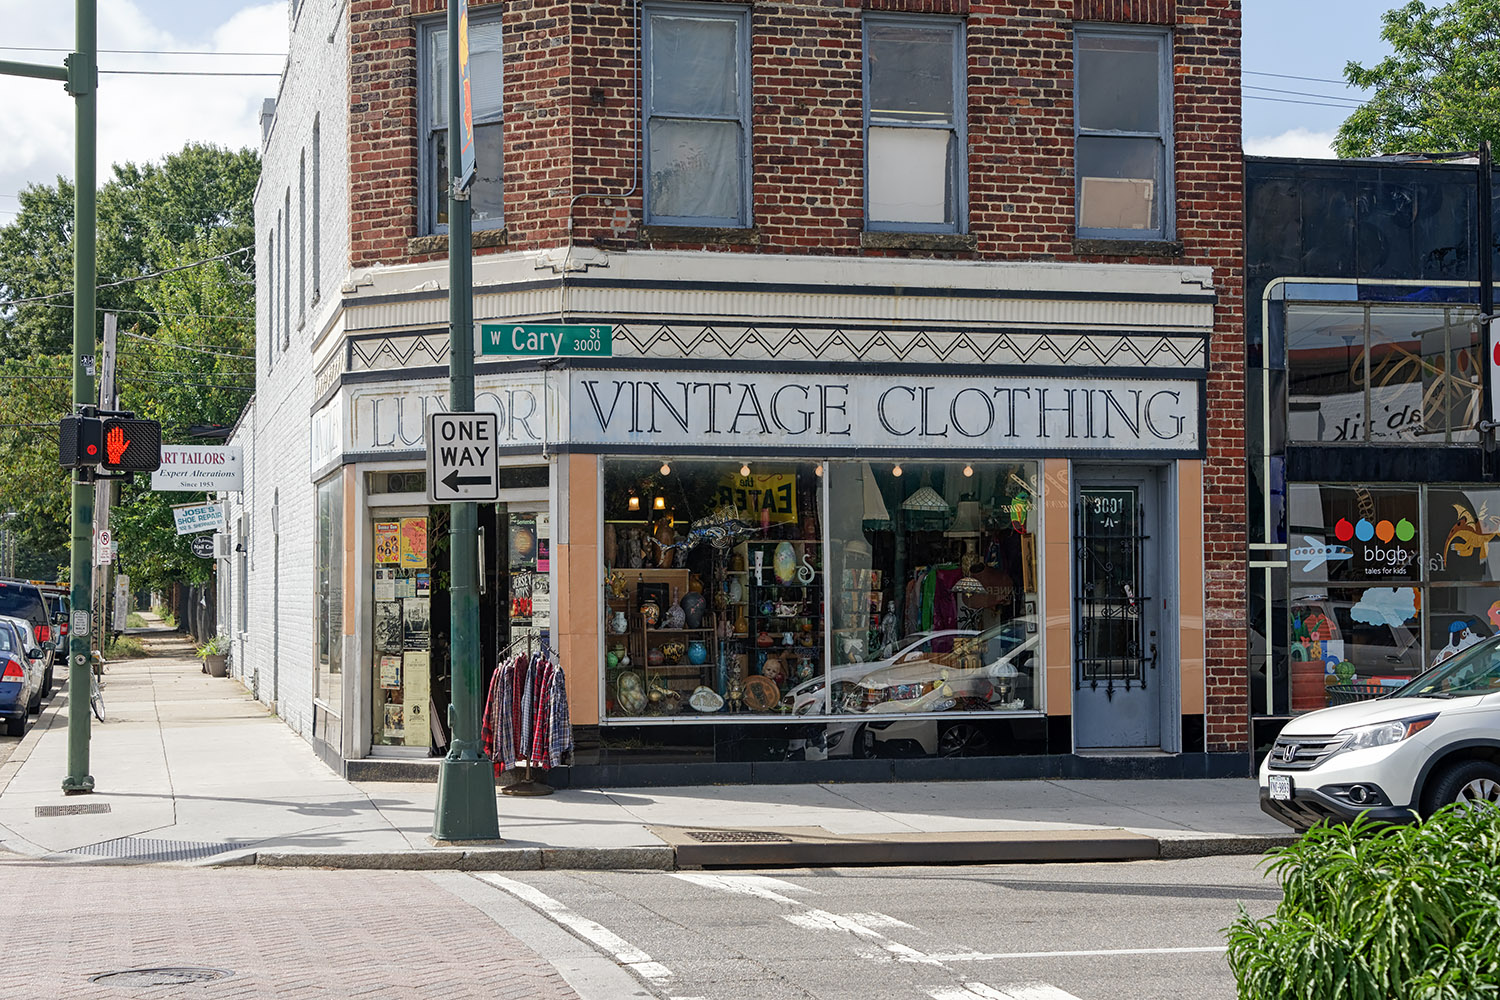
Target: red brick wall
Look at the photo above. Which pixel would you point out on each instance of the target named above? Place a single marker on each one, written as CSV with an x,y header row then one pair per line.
x,y
571,147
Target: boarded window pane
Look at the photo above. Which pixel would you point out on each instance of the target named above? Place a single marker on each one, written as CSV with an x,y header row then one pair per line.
x,y
1119,83
695,169
694,66
1121,182
910,73
909,175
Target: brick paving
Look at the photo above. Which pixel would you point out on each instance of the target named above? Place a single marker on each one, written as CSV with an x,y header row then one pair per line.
x,y
295,933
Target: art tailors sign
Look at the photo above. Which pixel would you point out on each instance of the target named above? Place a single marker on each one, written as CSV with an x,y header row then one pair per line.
x,y
894,413
194,467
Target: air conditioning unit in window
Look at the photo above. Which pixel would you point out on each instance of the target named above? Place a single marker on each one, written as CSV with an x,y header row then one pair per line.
x,y
221,545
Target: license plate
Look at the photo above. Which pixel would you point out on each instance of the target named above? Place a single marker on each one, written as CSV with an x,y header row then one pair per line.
x,y
1280,786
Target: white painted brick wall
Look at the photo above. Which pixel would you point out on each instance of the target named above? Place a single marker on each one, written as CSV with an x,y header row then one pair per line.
x,y
275,432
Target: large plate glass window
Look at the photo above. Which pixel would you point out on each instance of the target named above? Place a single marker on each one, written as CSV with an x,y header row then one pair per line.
x,y
1123,133
410,618
697,116
914,72
328,622
486,195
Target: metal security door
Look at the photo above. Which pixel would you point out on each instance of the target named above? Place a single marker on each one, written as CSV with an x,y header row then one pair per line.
x,y
1116,701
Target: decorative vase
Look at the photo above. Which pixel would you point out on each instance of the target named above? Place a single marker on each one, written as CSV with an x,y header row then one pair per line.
x,y
742,624
672,652
675,618
736,590
805,572
693,606
697,652
612,658
654,656
650,614
618,625
768,607
784,563
763,639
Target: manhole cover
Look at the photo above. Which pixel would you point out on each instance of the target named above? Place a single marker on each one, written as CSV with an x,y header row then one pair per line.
x,y
151,849
81,809
172,975
737,837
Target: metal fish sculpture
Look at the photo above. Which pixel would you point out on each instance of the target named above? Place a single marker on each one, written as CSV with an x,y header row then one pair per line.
x,y
722,528
1469,533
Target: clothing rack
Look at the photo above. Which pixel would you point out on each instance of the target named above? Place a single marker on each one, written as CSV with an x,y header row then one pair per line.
x,y
545,737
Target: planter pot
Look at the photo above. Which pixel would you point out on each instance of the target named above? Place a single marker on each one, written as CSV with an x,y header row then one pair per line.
x,y
216,664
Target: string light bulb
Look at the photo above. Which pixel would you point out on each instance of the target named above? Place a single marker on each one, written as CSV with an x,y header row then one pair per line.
x,y
818,469
635,503
666,468
897,470
968,471
745,469
660,503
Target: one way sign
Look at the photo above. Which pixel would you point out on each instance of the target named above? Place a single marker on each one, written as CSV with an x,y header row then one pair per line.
x,y
461,461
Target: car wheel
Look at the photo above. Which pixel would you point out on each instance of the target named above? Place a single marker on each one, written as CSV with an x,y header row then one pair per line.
x,y
963,739
47,683
864,743
34,706
16,725
1471,783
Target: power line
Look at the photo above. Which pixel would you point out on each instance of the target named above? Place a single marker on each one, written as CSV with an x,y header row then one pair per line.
x,y
1273,90
195,385
1289,76
149,312
173,72
127,281
141,52
186,347
1288,100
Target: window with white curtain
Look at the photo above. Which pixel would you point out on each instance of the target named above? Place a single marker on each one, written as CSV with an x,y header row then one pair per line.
x,y
914,122
486,90
697,116
1123,129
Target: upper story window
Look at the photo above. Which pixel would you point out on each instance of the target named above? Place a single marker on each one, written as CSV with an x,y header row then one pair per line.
x,y
697,98
1123,133
914,121
486,197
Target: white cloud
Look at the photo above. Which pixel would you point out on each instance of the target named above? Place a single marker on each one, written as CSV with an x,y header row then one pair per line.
x,y
141,118
1302,142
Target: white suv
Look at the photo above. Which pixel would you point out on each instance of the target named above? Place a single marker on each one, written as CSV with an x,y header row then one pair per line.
x,y
1430,742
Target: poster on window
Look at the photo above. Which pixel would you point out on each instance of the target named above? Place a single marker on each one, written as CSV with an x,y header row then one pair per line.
x,y
387,542
1463,535
414,543
390,672
416,687
395,722
761,499
1354,534
417,621
385,584
388,626
522,542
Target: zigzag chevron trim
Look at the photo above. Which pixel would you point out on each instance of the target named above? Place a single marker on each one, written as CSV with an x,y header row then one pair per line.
x,y
753,343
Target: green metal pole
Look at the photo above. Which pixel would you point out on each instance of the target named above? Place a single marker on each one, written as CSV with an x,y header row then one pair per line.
x,y
466,808
83,85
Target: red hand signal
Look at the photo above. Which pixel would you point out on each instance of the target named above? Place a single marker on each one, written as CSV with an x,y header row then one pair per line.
x,y
115,444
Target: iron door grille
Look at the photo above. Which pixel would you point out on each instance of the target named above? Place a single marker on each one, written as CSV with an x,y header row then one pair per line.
x,y
1110,643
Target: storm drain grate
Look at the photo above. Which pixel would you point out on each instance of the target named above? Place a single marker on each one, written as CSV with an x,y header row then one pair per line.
x,y
151,849
179,975
80,809
737,837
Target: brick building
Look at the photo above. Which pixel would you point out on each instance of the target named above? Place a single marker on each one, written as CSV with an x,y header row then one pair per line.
x,y
901,416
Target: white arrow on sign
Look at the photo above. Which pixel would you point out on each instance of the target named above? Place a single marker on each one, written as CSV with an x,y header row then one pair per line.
x,y
462,465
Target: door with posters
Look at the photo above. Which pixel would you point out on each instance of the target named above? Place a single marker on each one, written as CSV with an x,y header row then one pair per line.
x,y
1117,592
403,710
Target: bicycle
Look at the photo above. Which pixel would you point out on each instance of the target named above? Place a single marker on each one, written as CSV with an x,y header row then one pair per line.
x,y
96,696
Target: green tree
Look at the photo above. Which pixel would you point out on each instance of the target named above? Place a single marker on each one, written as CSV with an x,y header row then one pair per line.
x,y
186,334
1438,91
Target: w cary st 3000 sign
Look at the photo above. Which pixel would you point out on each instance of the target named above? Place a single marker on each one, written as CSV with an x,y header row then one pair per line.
x,y
461,457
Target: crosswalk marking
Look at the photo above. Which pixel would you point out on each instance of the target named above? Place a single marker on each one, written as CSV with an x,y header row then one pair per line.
x,y
1018,991
983,956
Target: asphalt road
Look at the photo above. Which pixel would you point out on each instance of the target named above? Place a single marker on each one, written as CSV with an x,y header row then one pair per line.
x,y
1131,931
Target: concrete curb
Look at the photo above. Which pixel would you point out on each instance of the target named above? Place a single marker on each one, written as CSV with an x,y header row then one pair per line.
x,y
1015,850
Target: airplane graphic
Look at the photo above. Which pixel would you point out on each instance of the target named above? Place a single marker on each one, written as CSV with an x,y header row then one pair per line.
x,y
1316,553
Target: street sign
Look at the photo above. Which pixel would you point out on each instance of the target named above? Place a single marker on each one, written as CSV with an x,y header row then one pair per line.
x,y
199,467
546,340
461,459
80,624
103,549
203,546
195,517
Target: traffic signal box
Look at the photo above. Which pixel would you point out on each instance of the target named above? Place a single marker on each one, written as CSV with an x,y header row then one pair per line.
x,y
113,443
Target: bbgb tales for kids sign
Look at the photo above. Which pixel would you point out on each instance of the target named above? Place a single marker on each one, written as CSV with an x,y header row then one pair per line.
x,y
1354,535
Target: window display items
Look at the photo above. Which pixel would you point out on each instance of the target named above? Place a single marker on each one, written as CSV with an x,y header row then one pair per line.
x,y
693,604
697,652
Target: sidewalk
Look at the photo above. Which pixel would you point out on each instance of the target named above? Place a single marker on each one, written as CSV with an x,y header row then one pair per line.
x,y
189,768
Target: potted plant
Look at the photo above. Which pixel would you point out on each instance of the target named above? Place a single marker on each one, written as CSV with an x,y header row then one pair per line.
x,y
215,656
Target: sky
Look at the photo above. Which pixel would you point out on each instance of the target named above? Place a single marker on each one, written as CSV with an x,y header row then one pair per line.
x,y
145,117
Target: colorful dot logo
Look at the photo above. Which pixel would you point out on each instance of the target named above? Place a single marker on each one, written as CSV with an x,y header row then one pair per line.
x,y
1385,531
1405,530
1343,531
1364,530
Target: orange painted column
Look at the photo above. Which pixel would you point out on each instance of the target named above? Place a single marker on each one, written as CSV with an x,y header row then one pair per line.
x,y
1057,583
579,579
1190,585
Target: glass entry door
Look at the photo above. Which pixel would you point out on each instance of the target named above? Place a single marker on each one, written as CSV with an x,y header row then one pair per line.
x,y
1117,601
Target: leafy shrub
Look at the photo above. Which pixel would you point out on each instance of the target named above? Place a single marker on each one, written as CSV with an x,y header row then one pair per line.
x,y
1374,912
126,647
213,647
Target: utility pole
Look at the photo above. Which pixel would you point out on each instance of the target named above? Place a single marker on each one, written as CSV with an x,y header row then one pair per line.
x,y
80,76
1486,239
466,809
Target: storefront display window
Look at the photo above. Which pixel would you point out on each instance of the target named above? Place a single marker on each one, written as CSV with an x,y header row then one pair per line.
x,y
734,589
328,624
1354,534
1463,528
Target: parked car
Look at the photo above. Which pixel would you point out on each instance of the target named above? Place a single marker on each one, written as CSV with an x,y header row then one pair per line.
x,y
20,679
1429,743
36,662
24,599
